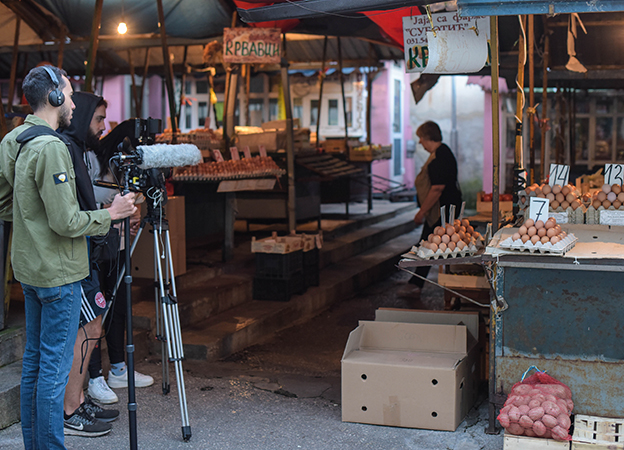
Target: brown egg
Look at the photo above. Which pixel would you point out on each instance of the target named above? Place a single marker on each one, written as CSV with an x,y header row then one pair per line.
x,y
606,204
556,189
558,228
450,230
550,196
462,228
541,195
560,197
546,189
446,238
551,232
617,204
515,236
616,188
602,196
541,232
596,204
554,240
575,204
621,196
606,188
461,245
436,239
529,223
442,247
532,231
522,230
565,190
455,238
425,244
535,239
565,205
538,191
544,239
456,226
550,223
539,224
433,247
430,238
451,246
462,235
457,222
465,223
554,204
570,197
525,238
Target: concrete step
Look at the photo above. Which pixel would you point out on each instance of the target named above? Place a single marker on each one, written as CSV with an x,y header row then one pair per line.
x,y
198,301
12,344
211,296
255,321
10,393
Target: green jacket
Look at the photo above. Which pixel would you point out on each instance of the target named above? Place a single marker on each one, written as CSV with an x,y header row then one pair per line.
x,y
49,247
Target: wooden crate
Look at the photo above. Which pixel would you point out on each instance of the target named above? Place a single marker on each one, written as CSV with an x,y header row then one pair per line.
x,y
512,442
486,207
277,244
456,281
597,433
369,153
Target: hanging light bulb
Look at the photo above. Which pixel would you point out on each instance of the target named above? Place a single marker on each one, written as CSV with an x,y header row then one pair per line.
x,y
122,28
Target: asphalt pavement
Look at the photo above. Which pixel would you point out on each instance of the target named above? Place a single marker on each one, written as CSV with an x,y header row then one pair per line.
x,y
280,394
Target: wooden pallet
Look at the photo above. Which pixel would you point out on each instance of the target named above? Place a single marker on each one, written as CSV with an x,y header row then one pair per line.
x,y
327,166
512,442
597,433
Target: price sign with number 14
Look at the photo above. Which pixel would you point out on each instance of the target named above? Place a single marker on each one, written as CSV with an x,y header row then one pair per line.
x,y
614,174
559,174
538,209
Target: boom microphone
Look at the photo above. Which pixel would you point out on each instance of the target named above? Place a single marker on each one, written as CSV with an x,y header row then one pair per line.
x,y
167,155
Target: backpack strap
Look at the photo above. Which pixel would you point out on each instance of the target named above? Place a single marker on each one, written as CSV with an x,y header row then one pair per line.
x,y
35,131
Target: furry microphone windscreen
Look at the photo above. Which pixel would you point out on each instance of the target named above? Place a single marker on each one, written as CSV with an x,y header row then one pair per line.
x,y
166,155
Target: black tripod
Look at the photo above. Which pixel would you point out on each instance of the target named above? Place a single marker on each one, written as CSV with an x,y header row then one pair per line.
x,y
167,316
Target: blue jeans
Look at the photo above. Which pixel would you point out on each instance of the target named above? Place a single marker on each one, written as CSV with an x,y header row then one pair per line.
x,y
52,316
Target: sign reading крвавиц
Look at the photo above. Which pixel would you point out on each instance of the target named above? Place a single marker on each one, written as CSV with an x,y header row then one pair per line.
x,y
252,45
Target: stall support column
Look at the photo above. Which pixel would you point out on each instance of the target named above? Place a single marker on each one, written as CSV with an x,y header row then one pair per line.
x,y
290,148
544,100
18,21
168,69
230,208
93,45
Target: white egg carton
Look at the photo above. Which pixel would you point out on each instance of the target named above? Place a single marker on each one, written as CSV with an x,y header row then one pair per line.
x,y
426,253
559,248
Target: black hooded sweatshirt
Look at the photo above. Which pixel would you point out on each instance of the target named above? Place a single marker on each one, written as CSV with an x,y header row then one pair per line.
x,y
77,136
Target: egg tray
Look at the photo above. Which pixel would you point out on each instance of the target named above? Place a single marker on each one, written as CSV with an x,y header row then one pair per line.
x,y
238,176
559,248
593,214
426,253
575,216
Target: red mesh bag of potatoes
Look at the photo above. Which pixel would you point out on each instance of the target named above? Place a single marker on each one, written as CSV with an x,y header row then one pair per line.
x,y
538,406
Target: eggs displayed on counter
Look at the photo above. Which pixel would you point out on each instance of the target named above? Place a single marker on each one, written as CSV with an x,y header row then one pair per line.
x,y
545,236
451,240
563,197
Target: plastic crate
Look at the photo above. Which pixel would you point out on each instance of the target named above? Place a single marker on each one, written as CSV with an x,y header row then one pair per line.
x,y
311,258
278,290
311,276
275,265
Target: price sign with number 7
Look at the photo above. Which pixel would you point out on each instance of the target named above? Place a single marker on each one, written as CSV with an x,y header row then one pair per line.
x,y
614,174
538,209
559,174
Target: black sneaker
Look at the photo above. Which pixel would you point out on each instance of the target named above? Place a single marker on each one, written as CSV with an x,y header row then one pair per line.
x,y
104,415
81,423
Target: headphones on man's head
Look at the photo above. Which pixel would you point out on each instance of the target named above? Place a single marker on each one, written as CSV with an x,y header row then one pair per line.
x,y
56,96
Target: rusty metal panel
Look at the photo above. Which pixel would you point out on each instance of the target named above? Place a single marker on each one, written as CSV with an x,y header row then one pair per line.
x,y
563,313
597,387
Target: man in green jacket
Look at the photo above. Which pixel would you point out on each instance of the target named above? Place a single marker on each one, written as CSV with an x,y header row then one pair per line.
x,y
48,248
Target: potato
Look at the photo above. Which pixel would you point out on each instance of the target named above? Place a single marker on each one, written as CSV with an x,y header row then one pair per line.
x,y
559,434
522,389
524,409
570,405
536,413
551,398
511,400
516,429
514,414
539,428
506,409
564,421
529,432
563,406
503,419
551,408
522,400
525,421
549,421
534,404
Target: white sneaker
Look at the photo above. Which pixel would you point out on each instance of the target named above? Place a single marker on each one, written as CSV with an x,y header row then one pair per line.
x,y
121,381
99,390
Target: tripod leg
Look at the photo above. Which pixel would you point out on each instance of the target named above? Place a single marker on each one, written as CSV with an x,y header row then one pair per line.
x,y
178,346
160,313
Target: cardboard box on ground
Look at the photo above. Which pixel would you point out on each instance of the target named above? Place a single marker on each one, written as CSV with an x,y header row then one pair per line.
x,y
408,368
143,256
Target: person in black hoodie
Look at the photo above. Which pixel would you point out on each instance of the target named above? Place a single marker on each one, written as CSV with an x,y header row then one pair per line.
x,y
83,417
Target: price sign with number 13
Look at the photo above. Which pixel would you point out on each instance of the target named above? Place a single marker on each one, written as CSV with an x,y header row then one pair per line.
x,y
538,209
614,174
559,174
